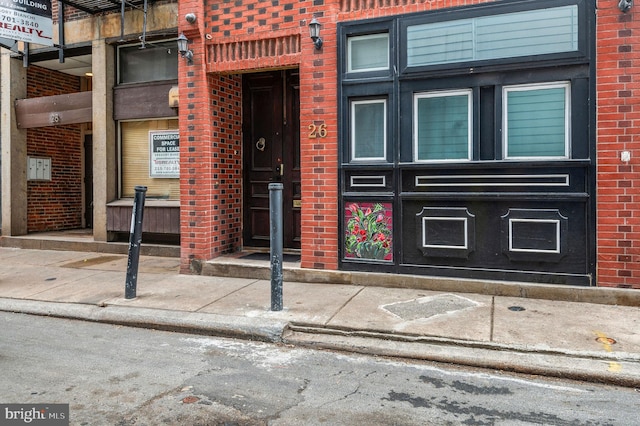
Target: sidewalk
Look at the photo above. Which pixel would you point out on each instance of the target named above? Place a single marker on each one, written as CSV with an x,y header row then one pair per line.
x,y
585,341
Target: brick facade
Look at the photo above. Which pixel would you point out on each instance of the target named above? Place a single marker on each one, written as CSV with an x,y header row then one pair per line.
x,y
251,35
232,37
242,36
55,204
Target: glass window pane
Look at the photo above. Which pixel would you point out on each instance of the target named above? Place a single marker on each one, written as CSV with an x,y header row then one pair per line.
x,y
157,61
532,32
440,43
368,53
368,132
442,126
135,159
536,121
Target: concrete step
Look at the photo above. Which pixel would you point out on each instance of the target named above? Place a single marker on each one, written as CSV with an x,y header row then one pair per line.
x,y
78,242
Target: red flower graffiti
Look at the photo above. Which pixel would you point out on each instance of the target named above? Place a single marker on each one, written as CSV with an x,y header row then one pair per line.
x,y
368,235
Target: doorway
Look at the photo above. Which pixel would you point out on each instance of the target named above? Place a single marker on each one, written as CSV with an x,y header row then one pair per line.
x,y
271,153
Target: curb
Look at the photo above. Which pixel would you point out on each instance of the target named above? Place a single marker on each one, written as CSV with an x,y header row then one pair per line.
x,y
157,319
622,369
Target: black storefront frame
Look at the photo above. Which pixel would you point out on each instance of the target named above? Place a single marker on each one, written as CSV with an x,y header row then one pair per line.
x,y
487,77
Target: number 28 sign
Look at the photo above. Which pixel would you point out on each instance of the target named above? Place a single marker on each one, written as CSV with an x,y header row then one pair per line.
x,y
317,130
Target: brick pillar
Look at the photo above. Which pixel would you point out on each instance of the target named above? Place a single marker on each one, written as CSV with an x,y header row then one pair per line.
x,y
618,120
319,156
197,192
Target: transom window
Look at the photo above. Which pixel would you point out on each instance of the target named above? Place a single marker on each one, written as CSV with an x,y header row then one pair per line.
x,y
508,35
156,62
368,52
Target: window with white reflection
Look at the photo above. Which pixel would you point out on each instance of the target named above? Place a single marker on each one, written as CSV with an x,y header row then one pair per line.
x,y
536,121
442,125
369,129
368,53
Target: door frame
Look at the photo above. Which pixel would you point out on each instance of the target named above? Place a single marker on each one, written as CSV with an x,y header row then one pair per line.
x,y
284,128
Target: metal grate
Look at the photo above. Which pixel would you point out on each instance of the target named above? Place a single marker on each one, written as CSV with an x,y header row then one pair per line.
x,y
100,6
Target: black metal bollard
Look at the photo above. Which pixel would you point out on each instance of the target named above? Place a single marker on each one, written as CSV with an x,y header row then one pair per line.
x,y
275,222
135,239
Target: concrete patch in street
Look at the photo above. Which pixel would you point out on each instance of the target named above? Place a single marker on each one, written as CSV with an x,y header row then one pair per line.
x,y
428,307
370,309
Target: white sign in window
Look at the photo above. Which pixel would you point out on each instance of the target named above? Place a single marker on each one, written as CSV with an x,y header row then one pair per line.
x,y
164,154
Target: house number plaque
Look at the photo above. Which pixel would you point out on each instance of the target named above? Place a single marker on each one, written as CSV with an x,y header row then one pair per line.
x,y
317,130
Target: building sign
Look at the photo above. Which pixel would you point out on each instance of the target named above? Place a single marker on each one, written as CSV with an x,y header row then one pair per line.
x,y
164,155
26,20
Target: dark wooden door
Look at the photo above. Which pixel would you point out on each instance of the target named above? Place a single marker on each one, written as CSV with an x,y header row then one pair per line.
x,y
271,153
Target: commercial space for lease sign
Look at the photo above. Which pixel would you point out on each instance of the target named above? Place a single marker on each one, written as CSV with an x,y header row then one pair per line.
x,y
164,150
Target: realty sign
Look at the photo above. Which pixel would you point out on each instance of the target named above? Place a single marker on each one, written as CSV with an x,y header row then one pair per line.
x,y
27,20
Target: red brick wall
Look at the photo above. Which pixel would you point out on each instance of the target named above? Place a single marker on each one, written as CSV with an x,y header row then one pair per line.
x,y
210,138
70,13
211,169
227,29
618,218
618,118
56,204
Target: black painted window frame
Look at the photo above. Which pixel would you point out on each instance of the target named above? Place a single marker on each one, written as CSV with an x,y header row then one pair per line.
x,y
486,78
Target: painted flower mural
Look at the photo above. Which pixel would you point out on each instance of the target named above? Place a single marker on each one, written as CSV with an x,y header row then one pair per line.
x,y
368,231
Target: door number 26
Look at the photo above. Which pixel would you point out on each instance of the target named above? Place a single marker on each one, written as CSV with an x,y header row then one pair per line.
x,y
317,130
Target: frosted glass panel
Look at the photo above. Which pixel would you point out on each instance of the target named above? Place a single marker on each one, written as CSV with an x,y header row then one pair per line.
x,y
442,126
368,53
535,32
537,122
368,129
439,43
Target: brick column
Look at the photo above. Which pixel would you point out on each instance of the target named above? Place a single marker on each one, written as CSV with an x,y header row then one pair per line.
x,y
201,186
319,156
618,120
